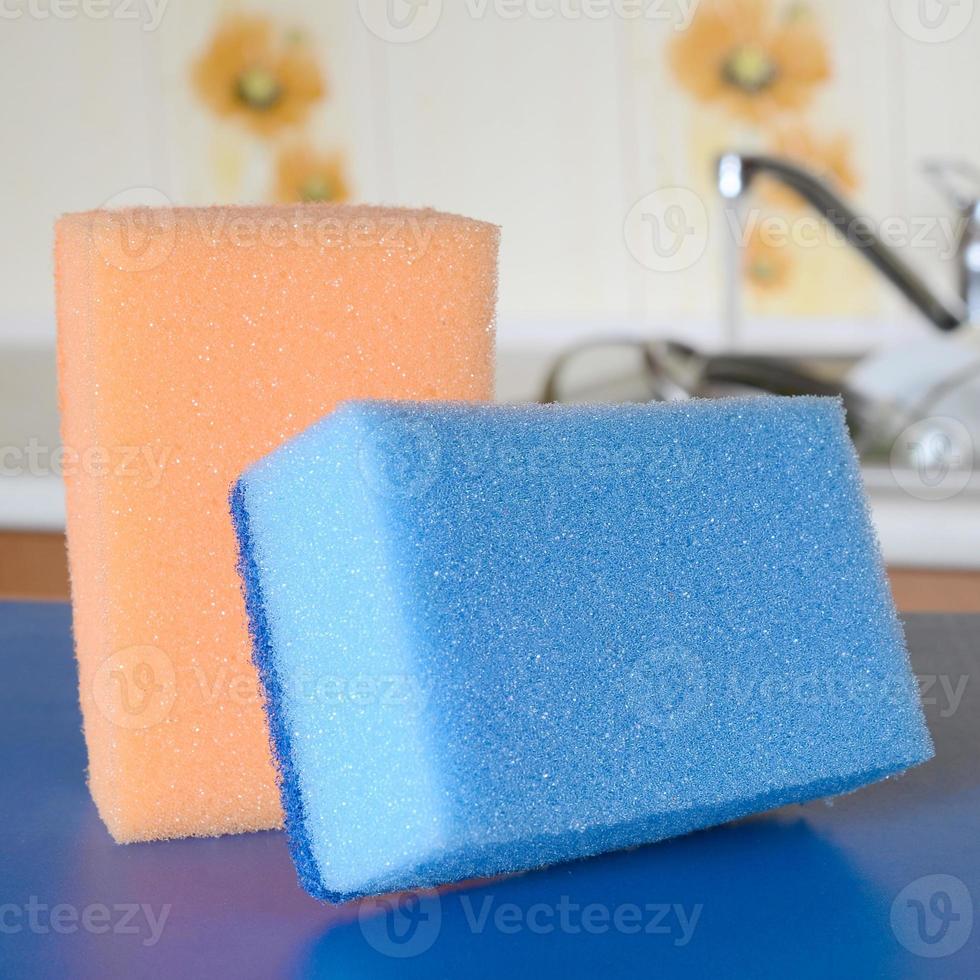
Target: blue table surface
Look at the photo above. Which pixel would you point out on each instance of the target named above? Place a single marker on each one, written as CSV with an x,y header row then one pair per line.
x,y
881,883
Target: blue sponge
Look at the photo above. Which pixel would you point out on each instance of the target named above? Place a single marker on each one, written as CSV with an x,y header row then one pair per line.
x,y
493,638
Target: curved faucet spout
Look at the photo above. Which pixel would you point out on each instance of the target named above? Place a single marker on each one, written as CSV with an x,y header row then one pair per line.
x,y
737,171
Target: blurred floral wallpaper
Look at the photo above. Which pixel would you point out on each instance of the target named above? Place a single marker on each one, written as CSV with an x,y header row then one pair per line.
x,y
266,77
570,125
753,60
758,66
766,76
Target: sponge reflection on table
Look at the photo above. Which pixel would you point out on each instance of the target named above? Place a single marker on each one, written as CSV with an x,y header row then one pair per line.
x,y
493,638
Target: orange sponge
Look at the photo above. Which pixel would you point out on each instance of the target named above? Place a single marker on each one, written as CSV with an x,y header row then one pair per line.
x,y
191,342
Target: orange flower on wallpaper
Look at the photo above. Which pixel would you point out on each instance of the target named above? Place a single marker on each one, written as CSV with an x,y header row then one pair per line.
x,y
829,158
304,175
767,266
253,72
751,61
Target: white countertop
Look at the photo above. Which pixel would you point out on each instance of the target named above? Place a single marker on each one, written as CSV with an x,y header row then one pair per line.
x,y
913,532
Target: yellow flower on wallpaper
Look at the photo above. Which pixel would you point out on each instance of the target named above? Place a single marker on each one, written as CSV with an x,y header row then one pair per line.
x,y
750,59
767,265
262,76
304,175
829,158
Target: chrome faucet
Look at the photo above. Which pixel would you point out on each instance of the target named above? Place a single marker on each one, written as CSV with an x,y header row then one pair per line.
x,y
737,171
950,176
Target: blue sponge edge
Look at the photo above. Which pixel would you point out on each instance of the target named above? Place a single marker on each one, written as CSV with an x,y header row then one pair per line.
x,y
263,657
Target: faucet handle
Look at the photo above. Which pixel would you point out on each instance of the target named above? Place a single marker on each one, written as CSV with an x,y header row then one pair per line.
x,y
957,180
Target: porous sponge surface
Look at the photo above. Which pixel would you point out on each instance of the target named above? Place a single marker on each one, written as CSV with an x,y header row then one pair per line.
x,y
499,637
191,343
